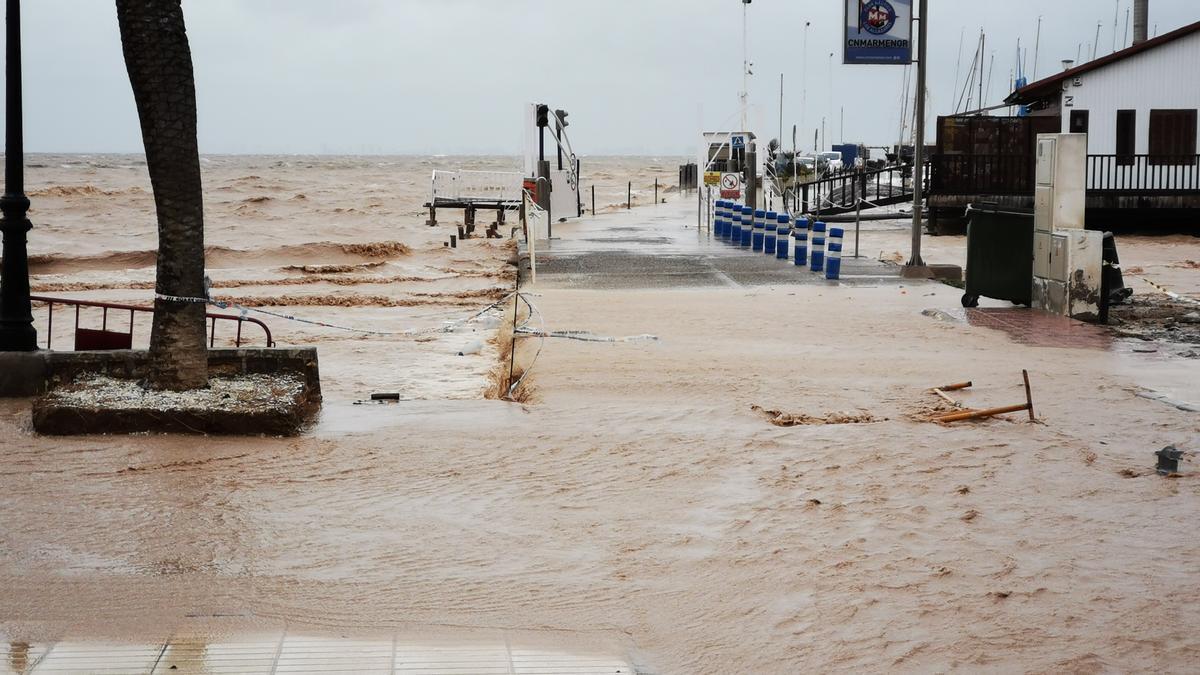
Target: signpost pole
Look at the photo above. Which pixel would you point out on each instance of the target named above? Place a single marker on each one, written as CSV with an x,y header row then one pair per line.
x,y
916,263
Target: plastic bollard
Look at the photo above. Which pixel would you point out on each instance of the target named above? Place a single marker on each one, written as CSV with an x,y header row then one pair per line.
x,y
770,233
760,230
833,261
719,220
817,254
782,230
800,241
747,227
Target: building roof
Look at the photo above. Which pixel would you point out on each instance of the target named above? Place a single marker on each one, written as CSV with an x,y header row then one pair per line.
x,y
1036,91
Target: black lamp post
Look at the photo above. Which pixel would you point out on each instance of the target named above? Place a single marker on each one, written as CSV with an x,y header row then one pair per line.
x,y
16,314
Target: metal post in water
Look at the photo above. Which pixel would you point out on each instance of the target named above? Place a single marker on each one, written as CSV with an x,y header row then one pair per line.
x,y
708,206
857,224
629,197
752,175
656,192
543,192
17,333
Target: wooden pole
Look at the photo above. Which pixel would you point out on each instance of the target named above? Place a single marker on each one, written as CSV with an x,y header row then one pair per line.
x,y
978,414
1028,394
947,398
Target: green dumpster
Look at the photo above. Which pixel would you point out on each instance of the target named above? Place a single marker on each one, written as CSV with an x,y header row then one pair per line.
x,y
999,254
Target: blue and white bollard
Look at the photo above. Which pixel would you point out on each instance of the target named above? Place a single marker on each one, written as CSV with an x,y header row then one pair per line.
x,y
747,226
719,218
817,255
782,229
734,235
770,233
800,242
833,262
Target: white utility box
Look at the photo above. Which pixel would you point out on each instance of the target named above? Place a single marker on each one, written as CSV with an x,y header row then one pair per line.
x,y
1066,258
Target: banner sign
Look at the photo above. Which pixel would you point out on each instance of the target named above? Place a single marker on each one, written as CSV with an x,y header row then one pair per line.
x,y
878,32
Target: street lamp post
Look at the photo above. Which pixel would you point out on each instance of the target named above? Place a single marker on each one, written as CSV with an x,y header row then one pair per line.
x,y
16,315
916,264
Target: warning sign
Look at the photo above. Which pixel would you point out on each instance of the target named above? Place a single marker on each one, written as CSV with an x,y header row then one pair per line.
x,y
731,186
712,177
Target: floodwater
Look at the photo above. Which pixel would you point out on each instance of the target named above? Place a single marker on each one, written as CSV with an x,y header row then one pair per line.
x,y
638,511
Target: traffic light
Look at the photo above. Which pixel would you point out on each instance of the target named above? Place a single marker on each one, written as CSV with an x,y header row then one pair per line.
x,y
543,115
562,118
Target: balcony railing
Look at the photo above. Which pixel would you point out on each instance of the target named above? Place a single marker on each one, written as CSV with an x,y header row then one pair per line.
x,y
1148,175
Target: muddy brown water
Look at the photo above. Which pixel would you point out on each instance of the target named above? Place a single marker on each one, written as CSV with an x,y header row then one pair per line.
x,y
638,507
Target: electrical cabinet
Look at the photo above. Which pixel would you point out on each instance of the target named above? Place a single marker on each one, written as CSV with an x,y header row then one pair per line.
x,y
1066,257
1071,282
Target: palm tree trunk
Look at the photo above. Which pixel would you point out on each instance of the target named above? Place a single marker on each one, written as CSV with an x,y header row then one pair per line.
x,y
159,61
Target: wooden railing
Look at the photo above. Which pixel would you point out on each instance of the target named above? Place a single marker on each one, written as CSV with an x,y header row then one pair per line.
x,y
981,174
88,339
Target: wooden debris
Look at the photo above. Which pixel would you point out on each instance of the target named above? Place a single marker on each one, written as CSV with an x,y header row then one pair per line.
x,y
992,412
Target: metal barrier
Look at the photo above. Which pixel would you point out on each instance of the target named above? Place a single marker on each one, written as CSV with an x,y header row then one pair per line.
x,y
88,339
501,186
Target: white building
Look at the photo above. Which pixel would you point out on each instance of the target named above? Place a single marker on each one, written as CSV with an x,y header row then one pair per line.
x,y
1138,107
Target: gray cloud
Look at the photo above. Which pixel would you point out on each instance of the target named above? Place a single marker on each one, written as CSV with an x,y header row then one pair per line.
x,y
450,76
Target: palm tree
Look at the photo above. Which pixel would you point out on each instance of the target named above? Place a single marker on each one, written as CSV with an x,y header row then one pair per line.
x,y
159,61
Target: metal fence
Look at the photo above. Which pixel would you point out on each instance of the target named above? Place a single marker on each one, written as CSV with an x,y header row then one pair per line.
x,y
1149,175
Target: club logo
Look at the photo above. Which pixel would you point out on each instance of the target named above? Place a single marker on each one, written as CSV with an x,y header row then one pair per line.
x,y
878,17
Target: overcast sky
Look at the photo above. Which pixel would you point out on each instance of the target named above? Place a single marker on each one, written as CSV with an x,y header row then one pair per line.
x,y
450,76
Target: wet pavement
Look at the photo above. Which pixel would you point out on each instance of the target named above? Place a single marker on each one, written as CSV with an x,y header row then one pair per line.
x,y
662,247
403,654
1038,329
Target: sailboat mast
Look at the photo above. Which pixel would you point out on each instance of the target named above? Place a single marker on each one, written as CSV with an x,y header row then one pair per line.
x,y
1036,47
